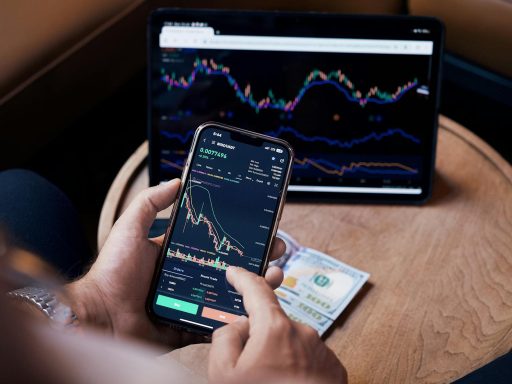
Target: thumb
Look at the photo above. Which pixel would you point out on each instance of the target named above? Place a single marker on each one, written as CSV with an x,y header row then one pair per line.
x,y
142,211
227,345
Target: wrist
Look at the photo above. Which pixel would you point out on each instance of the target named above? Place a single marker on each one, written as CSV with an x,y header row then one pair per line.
x,y
86,302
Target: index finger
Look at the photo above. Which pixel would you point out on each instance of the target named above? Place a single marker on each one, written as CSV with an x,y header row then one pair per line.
x,y
259,299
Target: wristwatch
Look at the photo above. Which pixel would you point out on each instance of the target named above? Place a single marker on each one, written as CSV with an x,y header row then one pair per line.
x,y
47,303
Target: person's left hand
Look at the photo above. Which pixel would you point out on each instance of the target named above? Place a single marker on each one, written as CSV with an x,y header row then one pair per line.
x,y
113,293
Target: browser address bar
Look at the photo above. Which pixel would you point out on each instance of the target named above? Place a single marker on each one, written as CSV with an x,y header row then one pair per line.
x,y
206,39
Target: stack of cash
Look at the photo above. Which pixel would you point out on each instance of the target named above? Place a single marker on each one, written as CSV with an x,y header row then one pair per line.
x,y
316,287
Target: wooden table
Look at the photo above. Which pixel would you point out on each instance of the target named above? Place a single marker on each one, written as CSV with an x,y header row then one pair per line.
x,y
438,304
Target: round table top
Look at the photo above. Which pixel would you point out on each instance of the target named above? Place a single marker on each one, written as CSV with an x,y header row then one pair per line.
x,y
438,303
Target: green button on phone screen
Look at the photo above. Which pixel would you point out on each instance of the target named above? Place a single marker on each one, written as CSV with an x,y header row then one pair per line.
x,y
178,305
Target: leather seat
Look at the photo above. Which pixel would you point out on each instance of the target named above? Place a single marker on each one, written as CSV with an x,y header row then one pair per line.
x,y
34,33
478,30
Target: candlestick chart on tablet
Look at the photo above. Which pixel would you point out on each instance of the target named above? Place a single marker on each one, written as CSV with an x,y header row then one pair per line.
x,y
352,118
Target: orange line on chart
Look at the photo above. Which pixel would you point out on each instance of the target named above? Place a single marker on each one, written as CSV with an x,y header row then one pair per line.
x,y
174,165
352,165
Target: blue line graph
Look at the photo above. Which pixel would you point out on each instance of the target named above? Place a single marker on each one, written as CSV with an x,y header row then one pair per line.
x,y
348,95
344,144
184,138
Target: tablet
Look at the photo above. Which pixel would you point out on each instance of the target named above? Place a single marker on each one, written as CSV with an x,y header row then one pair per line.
x,y
356,96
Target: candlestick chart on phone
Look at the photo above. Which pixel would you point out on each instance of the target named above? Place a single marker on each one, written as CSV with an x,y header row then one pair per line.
x,y
203,238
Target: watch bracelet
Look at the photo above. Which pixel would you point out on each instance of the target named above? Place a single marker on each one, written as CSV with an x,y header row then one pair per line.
x,y
47,302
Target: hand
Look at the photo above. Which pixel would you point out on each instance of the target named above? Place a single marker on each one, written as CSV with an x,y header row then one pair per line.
x,y
113,293
268,347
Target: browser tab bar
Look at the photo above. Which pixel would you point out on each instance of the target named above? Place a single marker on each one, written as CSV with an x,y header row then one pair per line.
x,y
205,38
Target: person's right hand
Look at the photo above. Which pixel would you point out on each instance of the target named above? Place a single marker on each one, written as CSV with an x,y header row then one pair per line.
x,y
268,347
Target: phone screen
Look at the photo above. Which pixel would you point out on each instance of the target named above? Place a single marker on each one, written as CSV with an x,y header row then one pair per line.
x,y
225,216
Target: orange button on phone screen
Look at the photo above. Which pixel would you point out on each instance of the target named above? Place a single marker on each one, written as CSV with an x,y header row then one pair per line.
x,y
214,314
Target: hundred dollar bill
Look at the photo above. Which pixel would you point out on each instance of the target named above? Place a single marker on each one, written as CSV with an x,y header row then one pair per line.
x,y
316,287
303,313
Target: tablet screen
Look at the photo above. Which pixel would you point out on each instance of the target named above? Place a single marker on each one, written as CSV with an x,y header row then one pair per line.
x,y
355,96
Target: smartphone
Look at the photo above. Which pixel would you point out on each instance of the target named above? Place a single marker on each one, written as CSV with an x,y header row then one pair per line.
x,y
227,212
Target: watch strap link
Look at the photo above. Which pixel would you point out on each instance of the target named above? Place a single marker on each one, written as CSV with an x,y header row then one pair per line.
x,y
47,302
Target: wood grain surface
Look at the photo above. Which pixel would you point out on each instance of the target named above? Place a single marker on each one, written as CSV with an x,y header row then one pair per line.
x,y
438,304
